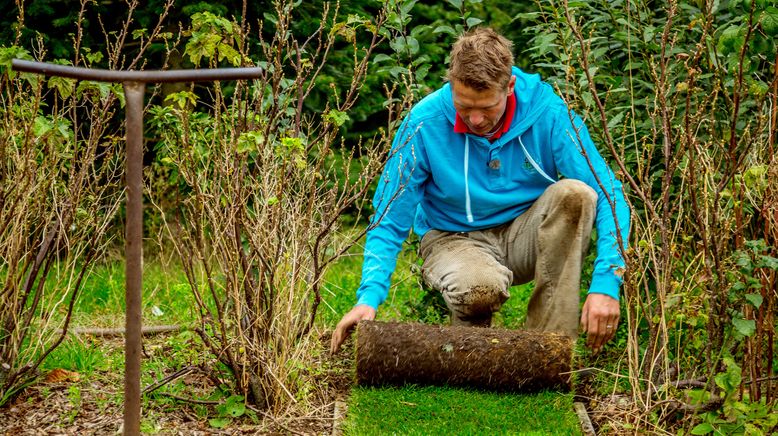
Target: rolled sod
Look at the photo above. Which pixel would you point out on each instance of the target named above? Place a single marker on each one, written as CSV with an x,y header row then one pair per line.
x,y
394,353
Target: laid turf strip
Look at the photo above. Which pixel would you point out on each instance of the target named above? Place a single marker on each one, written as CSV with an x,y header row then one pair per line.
x,y
424,410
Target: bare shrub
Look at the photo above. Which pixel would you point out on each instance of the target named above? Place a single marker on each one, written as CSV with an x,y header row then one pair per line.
x,y
61,166
684,104
265,182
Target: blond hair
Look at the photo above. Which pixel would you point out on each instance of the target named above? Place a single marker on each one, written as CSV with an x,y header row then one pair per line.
x,y
481,59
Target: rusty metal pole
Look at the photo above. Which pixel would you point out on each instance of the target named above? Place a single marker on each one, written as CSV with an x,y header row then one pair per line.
x,y
133,94
134,88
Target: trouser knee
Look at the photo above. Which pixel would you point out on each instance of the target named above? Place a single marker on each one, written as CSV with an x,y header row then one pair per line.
x,y
575,198
476,299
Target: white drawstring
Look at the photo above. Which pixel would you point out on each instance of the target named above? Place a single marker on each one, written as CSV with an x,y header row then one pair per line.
x,y
467,187
529,159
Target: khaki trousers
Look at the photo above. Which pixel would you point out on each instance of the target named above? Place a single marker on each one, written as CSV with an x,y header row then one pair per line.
x,y
547,243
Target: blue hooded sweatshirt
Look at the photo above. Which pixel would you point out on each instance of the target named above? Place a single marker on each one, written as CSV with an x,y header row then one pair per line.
x,y
438,179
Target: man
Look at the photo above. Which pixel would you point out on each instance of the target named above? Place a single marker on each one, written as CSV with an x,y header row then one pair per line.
x,y
476,168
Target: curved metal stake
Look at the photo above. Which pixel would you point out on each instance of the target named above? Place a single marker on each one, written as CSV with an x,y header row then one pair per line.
x,y
133,93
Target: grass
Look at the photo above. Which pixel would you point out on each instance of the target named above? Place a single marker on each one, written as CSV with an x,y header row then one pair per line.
x,y
422,410
167,298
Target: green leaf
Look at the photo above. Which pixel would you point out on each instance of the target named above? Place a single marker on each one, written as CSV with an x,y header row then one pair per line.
x,y
235,406
138,33
230,54
96,89
405,44
616,120
337,117
703,428
745,327
698,396
731,40
769,21
421,72
41,126
754,299
445,29
219,422
8,54
63,85
472,21
407,6
118,91
455,3
381,58
770,262
94,58
729,380
182,98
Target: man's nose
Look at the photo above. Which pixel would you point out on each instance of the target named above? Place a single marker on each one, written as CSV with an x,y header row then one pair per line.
x,y
476,118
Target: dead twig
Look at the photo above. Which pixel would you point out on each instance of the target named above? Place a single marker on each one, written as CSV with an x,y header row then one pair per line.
x,y
174,376
119,331
190,400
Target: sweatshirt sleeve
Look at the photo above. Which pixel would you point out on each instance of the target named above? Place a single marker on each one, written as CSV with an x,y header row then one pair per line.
x,y
395,201
577,158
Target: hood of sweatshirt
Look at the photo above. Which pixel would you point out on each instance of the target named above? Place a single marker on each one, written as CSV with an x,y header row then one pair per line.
x,y
533,97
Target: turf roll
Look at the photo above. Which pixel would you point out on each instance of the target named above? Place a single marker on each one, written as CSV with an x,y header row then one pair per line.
x,y
391,353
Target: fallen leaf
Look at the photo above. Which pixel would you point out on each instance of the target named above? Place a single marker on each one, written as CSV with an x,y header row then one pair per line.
x,y
61,375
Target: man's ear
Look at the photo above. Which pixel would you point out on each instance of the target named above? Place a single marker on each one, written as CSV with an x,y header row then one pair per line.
x,y
511,84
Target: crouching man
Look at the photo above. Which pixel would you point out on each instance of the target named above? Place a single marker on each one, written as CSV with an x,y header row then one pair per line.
x,y
503,184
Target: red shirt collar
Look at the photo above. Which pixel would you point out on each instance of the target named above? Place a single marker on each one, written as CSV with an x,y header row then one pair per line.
x,y
510,108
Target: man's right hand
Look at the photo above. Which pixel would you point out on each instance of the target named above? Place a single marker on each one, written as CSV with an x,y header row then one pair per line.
x,y
347,323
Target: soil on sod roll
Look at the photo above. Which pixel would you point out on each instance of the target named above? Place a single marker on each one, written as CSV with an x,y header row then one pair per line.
x,y
494,359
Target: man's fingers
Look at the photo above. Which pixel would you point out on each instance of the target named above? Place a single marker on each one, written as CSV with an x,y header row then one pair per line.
x,y
605,332
599,319
611,329
340,334
344,327
585,319
600,334
336,340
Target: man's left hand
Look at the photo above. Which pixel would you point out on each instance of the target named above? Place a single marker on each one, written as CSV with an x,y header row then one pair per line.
x,y
599,319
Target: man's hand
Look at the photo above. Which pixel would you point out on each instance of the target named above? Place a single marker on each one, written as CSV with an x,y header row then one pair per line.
x,y
347,323
599,319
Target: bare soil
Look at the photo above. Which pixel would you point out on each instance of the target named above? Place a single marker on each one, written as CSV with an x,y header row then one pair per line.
x,y
68,403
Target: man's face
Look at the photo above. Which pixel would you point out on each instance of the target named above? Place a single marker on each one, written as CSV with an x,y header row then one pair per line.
x,y
480,110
